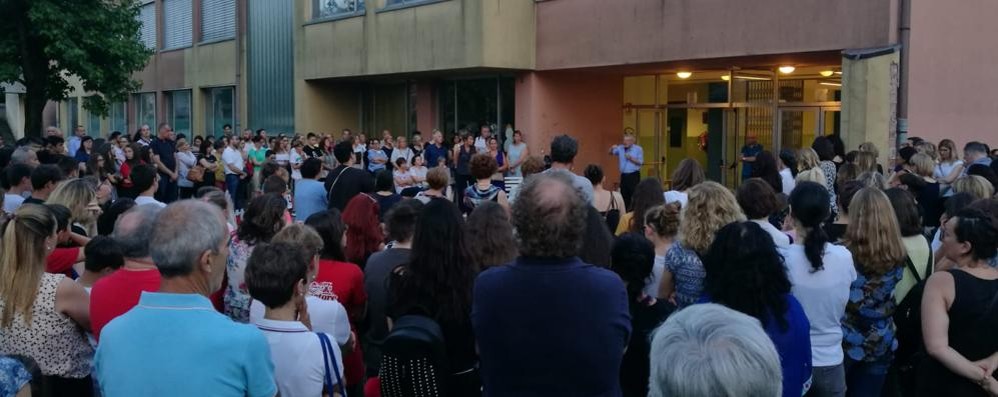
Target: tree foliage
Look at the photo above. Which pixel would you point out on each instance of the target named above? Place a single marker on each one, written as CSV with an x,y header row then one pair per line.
x,y
42,42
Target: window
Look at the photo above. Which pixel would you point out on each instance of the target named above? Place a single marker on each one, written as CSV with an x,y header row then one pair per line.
x,y
93,124
337,8
218,19
177,23
397,3
220,105
118,117
145,109
178,111
73,107
147,33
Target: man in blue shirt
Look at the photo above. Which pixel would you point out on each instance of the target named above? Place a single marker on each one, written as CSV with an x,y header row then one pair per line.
x,y
310,194
174,343
975,153
436,153
549,324
75,141
751,149
376,157
630,158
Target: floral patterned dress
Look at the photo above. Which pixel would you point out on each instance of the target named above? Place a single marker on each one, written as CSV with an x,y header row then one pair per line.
x,y
868,325
237,297
13,376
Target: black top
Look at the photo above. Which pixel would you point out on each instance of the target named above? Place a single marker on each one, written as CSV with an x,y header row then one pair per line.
x,y
973,318
312,152
350,183
930,203
376,273
33,200
167,152
464,160
835,232
386,203
646,316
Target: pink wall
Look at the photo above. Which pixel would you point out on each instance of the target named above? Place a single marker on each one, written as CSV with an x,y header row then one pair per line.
x,y
581,33
586,106
426,108
953,88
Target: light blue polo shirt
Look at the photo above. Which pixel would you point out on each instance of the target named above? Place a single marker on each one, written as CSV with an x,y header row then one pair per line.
x,y
178,345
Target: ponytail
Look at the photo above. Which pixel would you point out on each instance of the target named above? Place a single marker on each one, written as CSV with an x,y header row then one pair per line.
x,y
809,207
814,247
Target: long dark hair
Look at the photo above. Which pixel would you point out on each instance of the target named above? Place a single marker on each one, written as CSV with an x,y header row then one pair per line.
x,y
597,241
633,257
648,193
490,235
809,206
264,217
746,273
765,168
439,277
329,225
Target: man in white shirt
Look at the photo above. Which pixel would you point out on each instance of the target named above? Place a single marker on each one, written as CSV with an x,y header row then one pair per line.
x,y
235,170
276,276
145,179
482,142
18,176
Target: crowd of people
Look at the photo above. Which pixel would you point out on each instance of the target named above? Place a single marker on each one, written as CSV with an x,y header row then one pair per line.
x,y
257,265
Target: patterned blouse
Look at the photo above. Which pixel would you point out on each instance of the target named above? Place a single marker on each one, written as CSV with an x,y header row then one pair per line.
x,y
237,297
828,168
13,376
868,326
474,196
687,274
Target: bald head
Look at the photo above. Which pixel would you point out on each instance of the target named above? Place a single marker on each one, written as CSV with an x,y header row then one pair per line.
x,y
550,217
133,230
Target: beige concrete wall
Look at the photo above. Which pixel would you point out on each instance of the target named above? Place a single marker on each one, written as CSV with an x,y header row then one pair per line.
x,y
581,33
453,34
869,103
952,83
326,107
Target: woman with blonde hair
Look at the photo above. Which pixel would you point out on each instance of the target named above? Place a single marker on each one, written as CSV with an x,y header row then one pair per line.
x,y
874,239
815,175
975,185
43,315
867,162
949,167
81,198
873,179
710,207
661,227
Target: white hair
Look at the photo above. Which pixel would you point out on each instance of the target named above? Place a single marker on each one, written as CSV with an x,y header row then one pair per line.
x,y
183,231
708,350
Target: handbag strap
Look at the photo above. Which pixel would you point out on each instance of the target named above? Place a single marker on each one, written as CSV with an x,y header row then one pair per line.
x,y
337,179
327,352
613,202
911,267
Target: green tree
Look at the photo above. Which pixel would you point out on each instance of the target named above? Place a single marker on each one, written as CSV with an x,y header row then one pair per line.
x,y
44,41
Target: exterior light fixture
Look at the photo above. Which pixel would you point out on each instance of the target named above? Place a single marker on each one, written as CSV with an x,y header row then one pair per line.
x,y
787,69
725,77
684,74
826,73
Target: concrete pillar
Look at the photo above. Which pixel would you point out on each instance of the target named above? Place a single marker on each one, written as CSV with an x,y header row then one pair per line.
x,y
869,99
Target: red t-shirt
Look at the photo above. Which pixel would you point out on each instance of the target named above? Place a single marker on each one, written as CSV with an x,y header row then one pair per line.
x,y
344,282
118,293
61,261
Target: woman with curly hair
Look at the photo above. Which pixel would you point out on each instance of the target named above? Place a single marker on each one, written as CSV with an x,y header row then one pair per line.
x,y
711,206
437,282
364,236
482,167
745,272
490,236
874,239
661,227
339,280
648,193
264,217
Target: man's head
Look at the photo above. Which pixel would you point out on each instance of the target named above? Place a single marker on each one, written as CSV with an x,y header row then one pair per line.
x,y
164,131
563,149
400,221
227,129
277,273
258,141
44,178
628,139
234,142
343,151
55,145
80,131
103,255
191,240
144,131
550,217
751,139
311,168
723,353
247,134
438,137
17,177
974,151
262,133
144,179
133,230
52,131
69,166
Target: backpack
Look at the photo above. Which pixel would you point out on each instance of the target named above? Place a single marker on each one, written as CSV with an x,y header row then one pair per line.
x,y
414,359
908,321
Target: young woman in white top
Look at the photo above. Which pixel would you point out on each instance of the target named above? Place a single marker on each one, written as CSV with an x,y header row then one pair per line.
x,y
821,274
661,228
418,170
403,179
687,175
758,200
281,153
949,167
296,158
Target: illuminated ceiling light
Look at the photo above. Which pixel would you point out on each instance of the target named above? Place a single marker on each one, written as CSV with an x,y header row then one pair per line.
x,y
684,74
787,69
832,84
838,72
725,77
827,73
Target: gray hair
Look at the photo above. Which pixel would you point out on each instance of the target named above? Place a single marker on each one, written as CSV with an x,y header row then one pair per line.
x,y
133,229
21,155
710,350
549,216
183,232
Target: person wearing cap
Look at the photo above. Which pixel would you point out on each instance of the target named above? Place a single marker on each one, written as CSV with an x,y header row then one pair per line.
x,y
630,158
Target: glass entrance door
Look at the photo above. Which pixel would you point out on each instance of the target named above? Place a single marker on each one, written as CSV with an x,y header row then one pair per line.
x,y
797,127
649,131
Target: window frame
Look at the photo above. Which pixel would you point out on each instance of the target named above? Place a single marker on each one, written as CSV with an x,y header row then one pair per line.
x,y
403,4
166,33
235,24
155,26
171,110
316,18
210,114
139,120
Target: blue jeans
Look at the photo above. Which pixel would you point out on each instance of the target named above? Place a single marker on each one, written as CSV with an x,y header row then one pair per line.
x,y
232,187
865,378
